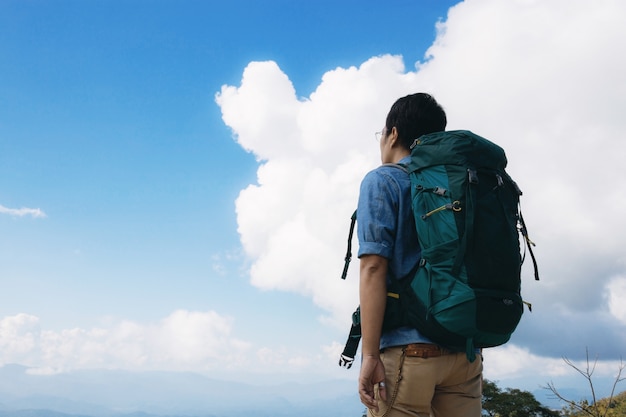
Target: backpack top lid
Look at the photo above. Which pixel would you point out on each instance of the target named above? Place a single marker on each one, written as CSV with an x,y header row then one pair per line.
x,y
456,147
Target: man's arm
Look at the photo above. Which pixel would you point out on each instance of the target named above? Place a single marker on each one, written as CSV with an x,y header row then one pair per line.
x,y
373,298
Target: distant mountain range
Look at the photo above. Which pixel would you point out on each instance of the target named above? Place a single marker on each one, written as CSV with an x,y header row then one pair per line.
x,y
171,394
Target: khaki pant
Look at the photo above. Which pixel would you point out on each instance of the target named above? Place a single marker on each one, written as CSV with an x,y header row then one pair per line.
x,y
444,386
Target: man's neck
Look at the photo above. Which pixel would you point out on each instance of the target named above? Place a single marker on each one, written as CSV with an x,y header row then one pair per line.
x,y
398,156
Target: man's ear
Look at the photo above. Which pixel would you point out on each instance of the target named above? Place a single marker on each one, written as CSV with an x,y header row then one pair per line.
x,y
393,136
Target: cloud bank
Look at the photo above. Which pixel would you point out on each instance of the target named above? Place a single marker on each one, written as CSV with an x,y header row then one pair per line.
x,y
542,79
194,341
184,340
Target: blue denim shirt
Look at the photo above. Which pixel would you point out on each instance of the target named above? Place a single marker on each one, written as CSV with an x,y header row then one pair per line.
x,y
385,227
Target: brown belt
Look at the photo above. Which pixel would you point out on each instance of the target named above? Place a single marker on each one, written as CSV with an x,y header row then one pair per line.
x,y
425,350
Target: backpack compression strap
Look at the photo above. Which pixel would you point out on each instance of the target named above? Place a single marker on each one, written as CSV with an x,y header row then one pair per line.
x,y
348,257
468,234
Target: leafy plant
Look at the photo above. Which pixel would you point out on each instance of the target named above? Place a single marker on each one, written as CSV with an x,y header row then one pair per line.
x,y
607,407
512,402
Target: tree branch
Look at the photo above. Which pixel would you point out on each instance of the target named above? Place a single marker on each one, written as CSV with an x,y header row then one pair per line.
x,y
583,406
571,403
618,379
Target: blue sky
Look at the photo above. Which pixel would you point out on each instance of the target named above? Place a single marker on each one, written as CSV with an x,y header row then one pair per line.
x,y
176,178
110,126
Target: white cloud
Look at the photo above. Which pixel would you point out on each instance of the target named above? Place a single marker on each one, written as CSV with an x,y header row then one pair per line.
x,y
184,340
510,361
18,336
21,212
616,296
227,260
543,79
294,222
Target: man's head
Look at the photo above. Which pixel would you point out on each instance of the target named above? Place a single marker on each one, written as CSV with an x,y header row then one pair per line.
x,y
413,116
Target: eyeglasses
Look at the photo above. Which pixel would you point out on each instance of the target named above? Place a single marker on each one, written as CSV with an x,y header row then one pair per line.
x,y
378,135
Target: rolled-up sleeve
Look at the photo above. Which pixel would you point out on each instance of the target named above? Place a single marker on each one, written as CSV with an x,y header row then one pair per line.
x,y
377,215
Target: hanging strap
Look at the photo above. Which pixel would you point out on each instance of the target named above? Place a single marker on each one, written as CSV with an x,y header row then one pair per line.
x,y
348,257
529,244
470,350
352,344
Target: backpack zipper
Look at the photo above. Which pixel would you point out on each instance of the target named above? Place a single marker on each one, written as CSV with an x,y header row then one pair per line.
x,y
455,206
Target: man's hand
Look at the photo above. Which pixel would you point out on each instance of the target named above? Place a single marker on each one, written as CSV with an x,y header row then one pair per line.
x,y
372,373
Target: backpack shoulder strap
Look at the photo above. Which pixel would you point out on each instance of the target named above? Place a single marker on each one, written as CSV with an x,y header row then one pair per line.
x,y
403,167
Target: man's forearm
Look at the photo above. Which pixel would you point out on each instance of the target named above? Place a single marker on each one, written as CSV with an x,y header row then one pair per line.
x,y
373,298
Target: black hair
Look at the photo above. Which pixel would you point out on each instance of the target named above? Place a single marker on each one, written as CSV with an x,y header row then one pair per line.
x,y
415,115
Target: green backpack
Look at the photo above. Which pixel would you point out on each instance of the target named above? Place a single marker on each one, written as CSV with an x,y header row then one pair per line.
x,y
465,294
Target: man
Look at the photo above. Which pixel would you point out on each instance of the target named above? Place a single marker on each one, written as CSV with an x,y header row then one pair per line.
x,y
402,372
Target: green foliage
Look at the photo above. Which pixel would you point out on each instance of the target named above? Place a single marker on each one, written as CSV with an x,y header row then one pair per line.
x,y
512,402
615,407
612,406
